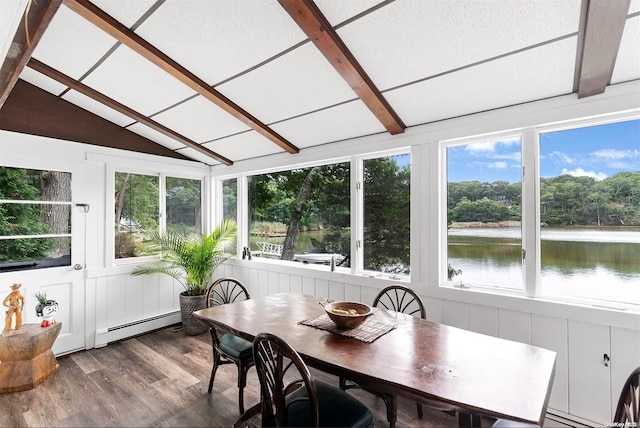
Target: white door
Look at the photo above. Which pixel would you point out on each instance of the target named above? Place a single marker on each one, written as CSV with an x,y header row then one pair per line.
x,y
66,283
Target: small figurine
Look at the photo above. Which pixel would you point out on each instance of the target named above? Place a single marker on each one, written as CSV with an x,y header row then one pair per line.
x,y
46,309
15,302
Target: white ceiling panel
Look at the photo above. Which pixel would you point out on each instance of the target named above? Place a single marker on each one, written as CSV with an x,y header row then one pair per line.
x,y
627,65
72,44
409,40
200,120
126,12
345,121
218,39
634,6
244,146
296,83
338,11
10,16
41,81
198,156
97,108
133,81
155,136
534,74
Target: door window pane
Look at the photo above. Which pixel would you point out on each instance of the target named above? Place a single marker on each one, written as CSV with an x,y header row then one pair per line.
x,y
306,211
387,214
484,238
35,219
590,212
184,205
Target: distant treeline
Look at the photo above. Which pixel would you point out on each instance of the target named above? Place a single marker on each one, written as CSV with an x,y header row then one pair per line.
x,y
565,200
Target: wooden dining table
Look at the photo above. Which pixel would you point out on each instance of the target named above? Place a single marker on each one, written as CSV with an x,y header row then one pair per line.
x,y
474,374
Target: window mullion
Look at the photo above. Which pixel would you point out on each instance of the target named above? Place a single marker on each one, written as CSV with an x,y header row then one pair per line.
x,y
530,212
357,215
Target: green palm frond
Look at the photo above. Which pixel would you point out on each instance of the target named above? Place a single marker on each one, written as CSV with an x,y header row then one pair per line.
x,y
189,258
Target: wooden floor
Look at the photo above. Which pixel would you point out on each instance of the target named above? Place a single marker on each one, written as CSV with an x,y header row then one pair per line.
x,y
157,379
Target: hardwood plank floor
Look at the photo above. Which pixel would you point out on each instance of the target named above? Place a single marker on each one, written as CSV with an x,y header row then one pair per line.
x,y
159,379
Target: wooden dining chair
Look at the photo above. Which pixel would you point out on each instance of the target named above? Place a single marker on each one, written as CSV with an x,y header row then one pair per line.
x,y
293,398
397,298
230,349
628,409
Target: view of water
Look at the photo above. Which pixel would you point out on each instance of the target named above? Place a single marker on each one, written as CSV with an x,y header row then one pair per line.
x,y
575,261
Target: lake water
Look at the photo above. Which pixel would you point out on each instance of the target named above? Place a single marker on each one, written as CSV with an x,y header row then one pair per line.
x,y
574,261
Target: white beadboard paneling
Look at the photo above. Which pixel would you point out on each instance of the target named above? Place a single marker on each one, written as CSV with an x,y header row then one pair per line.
x,y
168,294
102,308
150,296
483,319
456,314
368,294
589,379
336,290
309,286
435,309
274,285
323,290
551,333
515,325
116,292
625,357
133,302
352,293
295,282
254,282
284,283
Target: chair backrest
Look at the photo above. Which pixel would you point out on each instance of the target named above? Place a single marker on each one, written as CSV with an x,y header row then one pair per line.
x,y
226,290
401,299
273,358
628,410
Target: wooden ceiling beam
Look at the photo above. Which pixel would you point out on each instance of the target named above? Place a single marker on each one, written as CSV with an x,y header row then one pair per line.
x,y
130,39
109,102
316,26
603,29
38,16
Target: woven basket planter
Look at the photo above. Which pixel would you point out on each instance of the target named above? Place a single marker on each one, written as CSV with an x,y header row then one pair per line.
x,y
188,305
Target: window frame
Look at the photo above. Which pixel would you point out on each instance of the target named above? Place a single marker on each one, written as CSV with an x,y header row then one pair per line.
x,y
112,169
531,234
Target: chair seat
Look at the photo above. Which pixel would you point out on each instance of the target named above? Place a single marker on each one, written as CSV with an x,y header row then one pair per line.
x,y
235,346
336,408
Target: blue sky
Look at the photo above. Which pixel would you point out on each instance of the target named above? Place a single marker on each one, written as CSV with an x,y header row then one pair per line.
x,y
598,152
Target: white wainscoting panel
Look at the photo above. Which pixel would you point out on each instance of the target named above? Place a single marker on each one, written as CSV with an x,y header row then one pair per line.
x,y
551,333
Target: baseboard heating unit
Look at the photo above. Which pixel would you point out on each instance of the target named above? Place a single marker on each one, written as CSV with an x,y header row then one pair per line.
x,y
134,328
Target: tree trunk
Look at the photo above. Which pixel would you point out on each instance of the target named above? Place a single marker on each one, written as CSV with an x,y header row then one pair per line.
x,y
57,187
291,240
120,199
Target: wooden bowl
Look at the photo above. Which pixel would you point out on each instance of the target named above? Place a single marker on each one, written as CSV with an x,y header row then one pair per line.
x,y
343,320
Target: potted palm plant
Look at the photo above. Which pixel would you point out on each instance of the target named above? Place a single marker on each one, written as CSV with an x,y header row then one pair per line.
x,y
191,259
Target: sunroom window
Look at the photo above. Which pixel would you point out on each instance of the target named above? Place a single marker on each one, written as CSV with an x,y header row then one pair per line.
x,y
301,214
484,233
590,212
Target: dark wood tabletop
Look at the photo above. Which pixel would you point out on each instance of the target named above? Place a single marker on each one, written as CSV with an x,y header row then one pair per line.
x,y
473,373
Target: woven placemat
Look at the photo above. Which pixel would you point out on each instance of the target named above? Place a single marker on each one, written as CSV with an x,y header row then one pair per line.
x,y
367,332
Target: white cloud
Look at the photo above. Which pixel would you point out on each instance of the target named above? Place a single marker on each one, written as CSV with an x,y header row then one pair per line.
x,y
579,172
560,157
497,165
616,154
485,146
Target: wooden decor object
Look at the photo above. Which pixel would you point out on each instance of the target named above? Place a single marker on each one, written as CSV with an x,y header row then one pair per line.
x,y
26,359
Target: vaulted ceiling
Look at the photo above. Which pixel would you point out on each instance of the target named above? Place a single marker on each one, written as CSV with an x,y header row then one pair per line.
x,y
223,81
